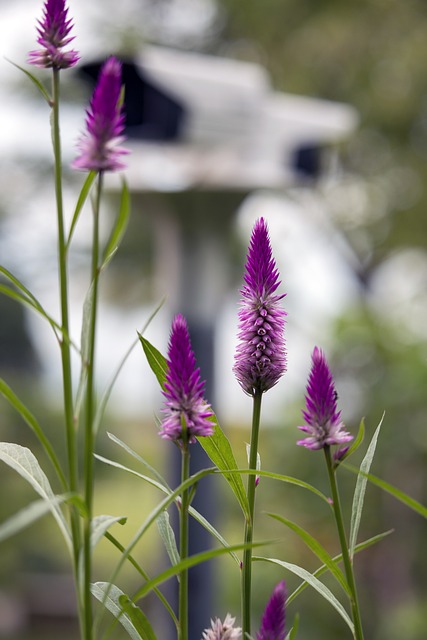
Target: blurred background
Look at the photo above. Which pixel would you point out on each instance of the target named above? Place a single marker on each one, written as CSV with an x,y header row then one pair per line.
x,y
312,114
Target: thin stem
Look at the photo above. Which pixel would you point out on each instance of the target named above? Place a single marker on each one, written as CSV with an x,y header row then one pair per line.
x,y
65,333
183,542
348,566
89,419
249,525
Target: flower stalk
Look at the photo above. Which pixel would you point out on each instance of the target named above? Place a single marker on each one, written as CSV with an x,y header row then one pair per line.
x,y
249,525
71,442
348,565
183,540
90,415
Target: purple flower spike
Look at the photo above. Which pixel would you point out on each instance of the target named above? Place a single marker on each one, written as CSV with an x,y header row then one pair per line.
x,y
223,630
54,34
99,145
323,420
274,618
260,358
185,406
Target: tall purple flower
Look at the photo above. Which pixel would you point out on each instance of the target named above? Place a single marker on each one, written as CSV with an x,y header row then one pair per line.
x,y
274,618
223,630
185,407
99,145
260,358
54,34
322,418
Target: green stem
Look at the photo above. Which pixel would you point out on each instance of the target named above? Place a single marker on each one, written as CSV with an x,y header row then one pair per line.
x,y
65,333
348,566
89,421
249,525
183,541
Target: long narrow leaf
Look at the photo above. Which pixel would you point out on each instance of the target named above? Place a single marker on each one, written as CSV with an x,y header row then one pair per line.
x,y
120,226
317,549
189,562
23,461
281,478
359,547
293,632
138,618
27,516
217,446
357,442
24,296
315,583
394,491
109,595
32,422
156,360
34,80
140,570
101,524
360,490
106,395
168,537
85,190
139,458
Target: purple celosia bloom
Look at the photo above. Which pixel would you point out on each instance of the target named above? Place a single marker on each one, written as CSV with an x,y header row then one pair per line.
x,y
223,630
260,358
274,618
185,407
99,145
54,34
323,420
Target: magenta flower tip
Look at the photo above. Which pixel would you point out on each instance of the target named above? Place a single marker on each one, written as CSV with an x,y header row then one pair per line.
x,y
322,418
223,630
260,358
185,407
274,618
54,34
100,145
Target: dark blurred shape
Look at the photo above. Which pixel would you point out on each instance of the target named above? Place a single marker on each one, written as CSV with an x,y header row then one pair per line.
x,y
151,113
307,161
16,350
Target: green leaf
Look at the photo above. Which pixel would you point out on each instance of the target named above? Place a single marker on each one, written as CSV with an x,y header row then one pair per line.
x,y
156,360
25,297
140,570
189,562
168,536
357,442
360,547
31,421
138,618
119,228
23,461
106,395
317,549
396,493
216,446
293,632
315,584
101,524
35,81
26,516
140,459
109,595
360,490
165,489
281,478
85,190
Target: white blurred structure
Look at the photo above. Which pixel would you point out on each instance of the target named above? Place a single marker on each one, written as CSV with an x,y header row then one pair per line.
x,y
217,123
